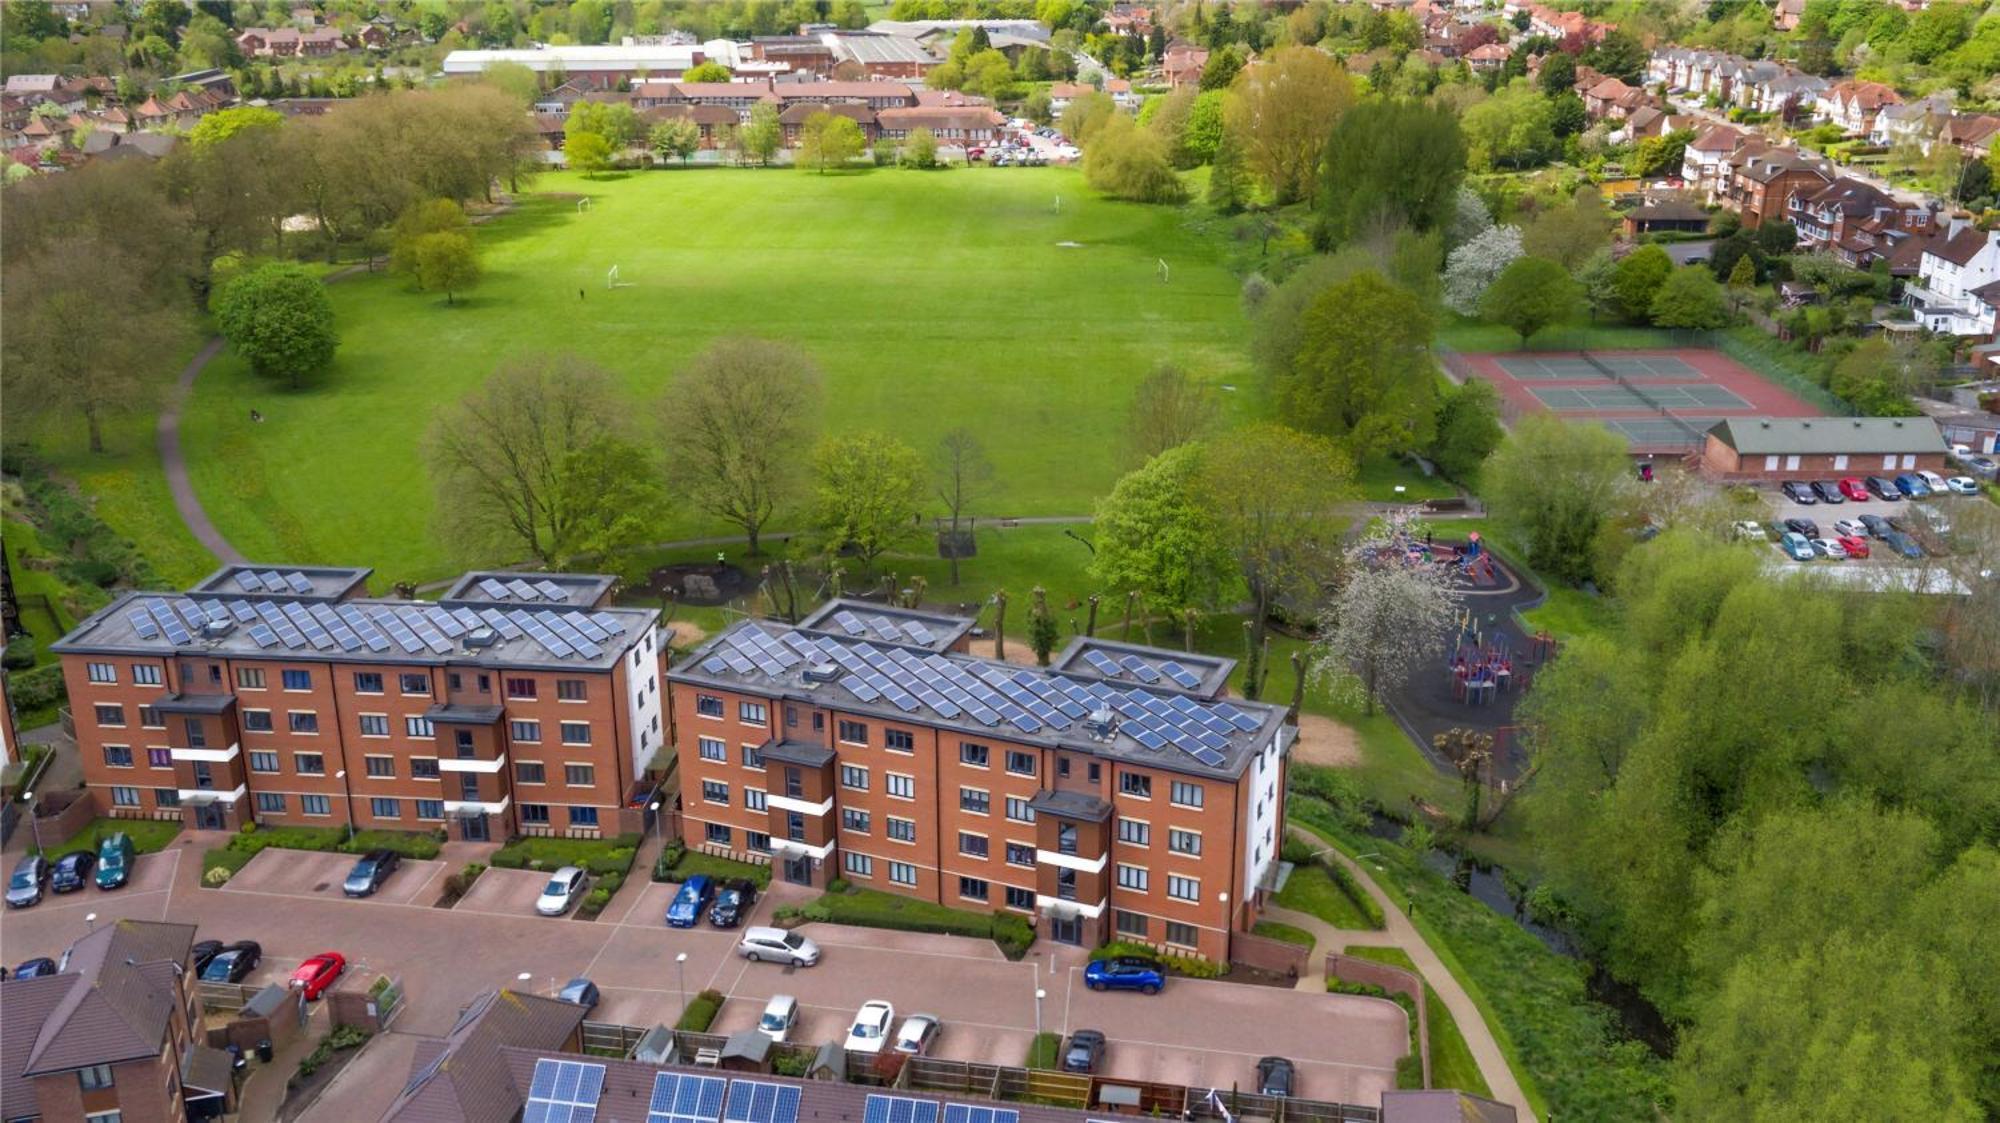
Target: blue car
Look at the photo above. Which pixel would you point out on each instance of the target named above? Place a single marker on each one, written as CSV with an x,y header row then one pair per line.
x,y
687,904
1903,544
1125,972
1797,546
1913,487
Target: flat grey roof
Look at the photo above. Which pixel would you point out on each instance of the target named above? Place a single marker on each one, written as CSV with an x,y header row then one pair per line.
x,y
1204,675
515,590
321,582
880,623
1859,436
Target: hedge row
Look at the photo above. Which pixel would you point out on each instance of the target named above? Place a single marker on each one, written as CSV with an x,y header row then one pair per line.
x,y
254,839
678,863
1193,966
868,908
700,1012
597,856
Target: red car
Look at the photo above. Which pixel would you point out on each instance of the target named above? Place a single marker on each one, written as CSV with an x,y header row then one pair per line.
x,y
318,973
1855,547
1854,489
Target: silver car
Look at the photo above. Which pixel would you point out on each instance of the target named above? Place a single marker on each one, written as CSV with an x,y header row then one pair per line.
x,y
25,887
562,891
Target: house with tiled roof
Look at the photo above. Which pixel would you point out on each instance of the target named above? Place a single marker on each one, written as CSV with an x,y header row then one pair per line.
x,y
1853,221
1853,104
464,1076
1957,288
1491,56
1701,163
1182,63
1916,122
1759,182
1972,134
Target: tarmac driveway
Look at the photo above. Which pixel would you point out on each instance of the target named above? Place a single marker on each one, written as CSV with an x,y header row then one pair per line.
x,y
503,892
313,873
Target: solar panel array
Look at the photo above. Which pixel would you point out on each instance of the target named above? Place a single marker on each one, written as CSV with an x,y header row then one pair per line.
x,y
685,1098
563,1092
521,590
899,1109
760,1101
968,1113
878,627
352,627
1141,670
273,581
990,694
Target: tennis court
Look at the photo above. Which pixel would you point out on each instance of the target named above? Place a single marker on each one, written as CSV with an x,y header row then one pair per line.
x,y
1656,432
1597,364
1613,396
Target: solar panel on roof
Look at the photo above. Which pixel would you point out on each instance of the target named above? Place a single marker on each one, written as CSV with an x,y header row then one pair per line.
x,y
1141,670
143,624
919,633
968,1113
264,636
760,1101
521,589
246,582
273,582
1180,674
242,611
849,623
1100,662
492,588
563,1092
685,1098
898,1109
551,590
1209,757
298,582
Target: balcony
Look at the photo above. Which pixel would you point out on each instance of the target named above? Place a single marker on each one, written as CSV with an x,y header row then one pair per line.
x,y
471,764
205,754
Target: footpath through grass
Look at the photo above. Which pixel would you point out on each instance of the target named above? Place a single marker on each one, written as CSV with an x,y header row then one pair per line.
x,y
1452,1065
929,300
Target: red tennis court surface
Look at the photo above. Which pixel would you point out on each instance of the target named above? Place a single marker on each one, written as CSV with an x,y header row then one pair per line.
x,y
1661,401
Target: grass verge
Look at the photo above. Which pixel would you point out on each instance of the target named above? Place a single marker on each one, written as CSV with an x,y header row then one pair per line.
x,y
1452,1065
1279,930
1044,1051
1313,891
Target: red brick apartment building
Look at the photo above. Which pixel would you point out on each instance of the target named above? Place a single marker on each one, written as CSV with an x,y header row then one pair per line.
x,y
514,704
1113,795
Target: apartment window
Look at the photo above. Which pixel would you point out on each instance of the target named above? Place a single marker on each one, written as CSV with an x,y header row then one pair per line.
x,y
795,785
302,721
166,799
315,805
711,749
263,762
902,873
423,768
110,715
1183,842
1020,763
853,732
972,888
899,740
384,808
756,799
1019,811
1184,888
708,705
118,756
1185,794
528,772
367,682
1065,838
854,820
1095,772
580,775
791,717
1135,878
380,767
975,800
974,755
160,758
529,732
519,687
1132,924
374,725
1019,898
854,776
583,816
575,732
125,797
309,764
795,826
149,718
757,841
146,674
1135,784
717,834
106,673
271,803
535,813
752,758
715,791
1065,884
899,785
257,721
419,727
430,809
1020,854
902,830
96,1078
973,845
857,865
572,690
1182,935
752,713
1134,832
193,733
297,680
250,678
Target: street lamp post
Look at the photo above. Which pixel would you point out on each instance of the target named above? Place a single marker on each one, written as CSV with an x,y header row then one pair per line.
x,y
680,973
90,919
347,801
29,799
1039,995
659,832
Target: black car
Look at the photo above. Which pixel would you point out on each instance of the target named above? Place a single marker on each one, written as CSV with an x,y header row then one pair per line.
x,y
733,903
370,872
1877,525
1883,488
1798,491
1084,1051
1274,1076
35,968
1806,527
232,963
72,871
202,952
1828,491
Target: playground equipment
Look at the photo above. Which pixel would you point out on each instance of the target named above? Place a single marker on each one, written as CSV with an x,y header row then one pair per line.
x,y
1481,663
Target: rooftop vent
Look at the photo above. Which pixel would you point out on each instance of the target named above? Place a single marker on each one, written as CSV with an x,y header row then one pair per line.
x,y
1100,724
822,672
481,637
216,629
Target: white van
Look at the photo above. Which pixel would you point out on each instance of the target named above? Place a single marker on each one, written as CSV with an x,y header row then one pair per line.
x,y
780,1015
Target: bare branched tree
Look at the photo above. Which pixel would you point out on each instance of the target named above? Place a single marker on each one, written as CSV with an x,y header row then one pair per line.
x,y
1169,409
963,476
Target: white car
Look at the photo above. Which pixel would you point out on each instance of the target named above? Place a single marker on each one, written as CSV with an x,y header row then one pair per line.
x,y
1850,528
1931,480
870,1030
775,945
780,1015
1962,485
1827,547
917,1033
564,888
1750,531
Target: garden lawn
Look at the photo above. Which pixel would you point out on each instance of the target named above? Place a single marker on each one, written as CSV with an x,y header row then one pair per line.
x,y
930,300
1311,891
1279,930
1452,1065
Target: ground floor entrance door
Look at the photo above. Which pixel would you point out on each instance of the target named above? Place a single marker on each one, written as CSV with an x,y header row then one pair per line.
x,y
472,828
798,870
1066,930
208,817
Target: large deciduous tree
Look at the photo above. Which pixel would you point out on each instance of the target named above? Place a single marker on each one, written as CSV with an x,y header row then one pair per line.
x,y
736,422
1363,372
1690,298
1280,113
1398,161
1169,408
868,494
1125,161
829,140
1390,614
1515,128
1156,535
1569,233
1529,295
446,262
1468,428
761,136
962,475
540,459
1557,484
1637,279
675,139
1473,267
279,318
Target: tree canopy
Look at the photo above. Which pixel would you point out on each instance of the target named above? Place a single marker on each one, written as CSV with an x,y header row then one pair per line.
x,y
734,422
278,317
1529,295
1154,534
868,493
1557,484
1363,371
1392,160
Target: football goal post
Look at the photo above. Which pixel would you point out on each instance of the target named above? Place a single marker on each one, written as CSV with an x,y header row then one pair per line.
x,y
611,278
583,204
1165,273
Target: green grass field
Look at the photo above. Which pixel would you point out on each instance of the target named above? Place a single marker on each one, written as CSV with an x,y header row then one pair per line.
x,y
1452,1064
930,300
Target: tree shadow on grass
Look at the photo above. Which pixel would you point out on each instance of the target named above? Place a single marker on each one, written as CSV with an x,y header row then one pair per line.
x,y
532,217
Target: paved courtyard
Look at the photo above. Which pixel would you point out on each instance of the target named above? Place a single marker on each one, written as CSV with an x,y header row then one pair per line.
x,y
1202,1033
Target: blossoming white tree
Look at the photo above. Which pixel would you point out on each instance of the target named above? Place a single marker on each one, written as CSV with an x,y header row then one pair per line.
x,y
1474,266
1392,614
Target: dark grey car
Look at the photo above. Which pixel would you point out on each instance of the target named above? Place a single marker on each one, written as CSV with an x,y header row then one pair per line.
x,y
31,875
370,872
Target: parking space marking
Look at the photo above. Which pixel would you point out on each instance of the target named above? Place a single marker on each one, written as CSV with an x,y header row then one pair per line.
x,y
375,902
419,894
52,902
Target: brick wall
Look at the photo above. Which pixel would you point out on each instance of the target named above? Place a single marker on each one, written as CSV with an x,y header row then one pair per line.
x,y
1266,954
1395,980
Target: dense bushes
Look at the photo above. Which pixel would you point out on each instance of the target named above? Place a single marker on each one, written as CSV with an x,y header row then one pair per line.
x,y
221,863
254,839
678,863
340,1040
597,856
1193,966
700,1012
871,909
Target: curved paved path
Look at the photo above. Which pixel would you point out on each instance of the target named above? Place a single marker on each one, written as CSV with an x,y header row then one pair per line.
x,y
174,462
1402,934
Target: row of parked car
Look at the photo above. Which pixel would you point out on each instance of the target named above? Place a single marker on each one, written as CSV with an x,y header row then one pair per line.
x,y
107,867
1800,538
1909,485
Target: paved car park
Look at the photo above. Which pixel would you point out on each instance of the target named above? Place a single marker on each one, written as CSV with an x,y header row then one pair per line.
x,y
1911,513
1203,1033
507,893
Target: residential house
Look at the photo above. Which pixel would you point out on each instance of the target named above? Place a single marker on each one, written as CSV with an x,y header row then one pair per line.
x,y
1129,19
1182,62
282,695
289,42
1853,104
1786,15
1665,215
1957,289
1057,795
1763,186
1605,97
464,1075
1491,56
1769,449
1853,220
1972,134
1916,122
1122,95
1062,93
1702,162
113,1034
